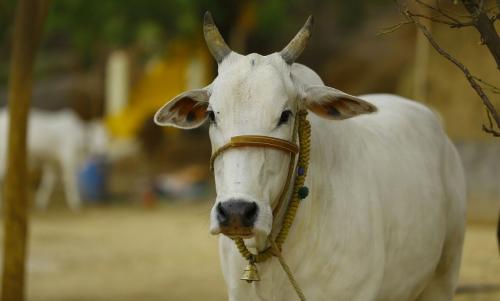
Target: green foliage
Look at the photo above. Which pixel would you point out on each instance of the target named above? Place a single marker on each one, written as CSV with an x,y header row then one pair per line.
x,y
6,18
113,23
89,28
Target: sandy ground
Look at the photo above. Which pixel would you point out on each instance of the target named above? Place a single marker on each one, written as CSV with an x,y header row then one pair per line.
x,y
166,253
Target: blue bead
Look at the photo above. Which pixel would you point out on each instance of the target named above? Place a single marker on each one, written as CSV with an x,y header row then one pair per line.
x,y
301,171
303,192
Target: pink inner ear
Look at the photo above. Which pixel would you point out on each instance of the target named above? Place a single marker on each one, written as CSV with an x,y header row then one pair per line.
x,y
325,110
341,108
348,107
333,109
183,106
189,109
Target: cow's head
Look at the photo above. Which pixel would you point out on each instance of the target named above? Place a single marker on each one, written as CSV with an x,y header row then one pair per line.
x,y
253,95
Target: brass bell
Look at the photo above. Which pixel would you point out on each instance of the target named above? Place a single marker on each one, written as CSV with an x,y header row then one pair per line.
x,y
250,274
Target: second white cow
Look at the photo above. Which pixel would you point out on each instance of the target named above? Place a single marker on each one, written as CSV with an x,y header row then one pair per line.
x,y
56,141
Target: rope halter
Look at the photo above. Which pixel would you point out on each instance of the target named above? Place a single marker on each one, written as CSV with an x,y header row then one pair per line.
x,y
255,141
299,191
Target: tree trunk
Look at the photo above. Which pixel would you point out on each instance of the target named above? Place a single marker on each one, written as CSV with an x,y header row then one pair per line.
x,y
29,19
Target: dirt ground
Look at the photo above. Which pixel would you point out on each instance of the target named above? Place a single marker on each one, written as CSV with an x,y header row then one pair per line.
x,y
165,253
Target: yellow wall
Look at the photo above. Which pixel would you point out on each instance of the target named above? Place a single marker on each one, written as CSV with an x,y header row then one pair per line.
x,y
163,78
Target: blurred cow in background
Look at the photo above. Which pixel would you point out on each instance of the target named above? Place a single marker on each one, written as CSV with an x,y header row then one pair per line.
x,y
57,140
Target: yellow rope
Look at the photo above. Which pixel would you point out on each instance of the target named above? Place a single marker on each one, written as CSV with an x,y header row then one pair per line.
x,y
293,205
287,270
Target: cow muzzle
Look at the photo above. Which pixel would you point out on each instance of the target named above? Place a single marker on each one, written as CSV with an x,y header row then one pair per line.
x,y
237,218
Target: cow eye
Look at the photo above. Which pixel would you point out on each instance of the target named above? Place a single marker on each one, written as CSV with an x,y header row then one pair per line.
x,y
211,116
285,115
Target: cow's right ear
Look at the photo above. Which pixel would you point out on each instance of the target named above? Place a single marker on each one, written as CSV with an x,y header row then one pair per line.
x,y
331,103
186,111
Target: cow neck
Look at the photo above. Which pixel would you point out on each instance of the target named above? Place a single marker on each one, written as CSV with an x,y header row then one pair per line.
x,y
298,192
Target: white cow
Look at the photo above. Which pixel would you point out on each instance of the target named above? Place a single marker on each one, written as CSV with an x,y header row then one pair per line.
x,y
385,216
56,140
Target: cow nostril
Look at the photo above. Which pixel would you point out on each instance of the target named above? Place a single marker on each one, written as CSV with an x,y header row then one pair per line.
x,y
251,210
236,213
250,214
222,215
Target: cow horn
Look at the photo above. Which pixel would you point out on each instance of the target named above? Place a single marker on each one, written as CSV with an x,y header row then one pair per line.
x,y
216,44
293,50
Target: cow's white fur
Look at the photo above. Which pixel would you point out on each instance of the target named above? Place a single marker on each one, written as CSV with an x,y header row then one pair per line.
x,y
385,216
56,140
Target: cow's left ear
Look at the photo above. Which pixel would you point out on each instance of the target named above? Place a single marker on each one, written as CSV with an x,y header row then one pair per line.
x,y
186,111
331,103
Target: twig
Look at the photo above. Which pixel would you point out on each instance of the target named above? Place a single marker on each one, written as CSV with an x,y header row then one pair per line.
x,y
489,129
451,24
439,10
470,78
492,9
491,87
387,30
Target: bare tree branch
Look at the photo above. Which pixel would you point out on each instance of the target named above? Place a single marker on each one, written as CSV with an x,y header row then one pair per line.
x,y
492,113
478,17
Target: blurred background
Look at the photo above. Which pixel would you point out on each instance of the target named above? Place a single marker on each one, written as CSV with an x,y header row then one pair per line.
x,y
126,218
